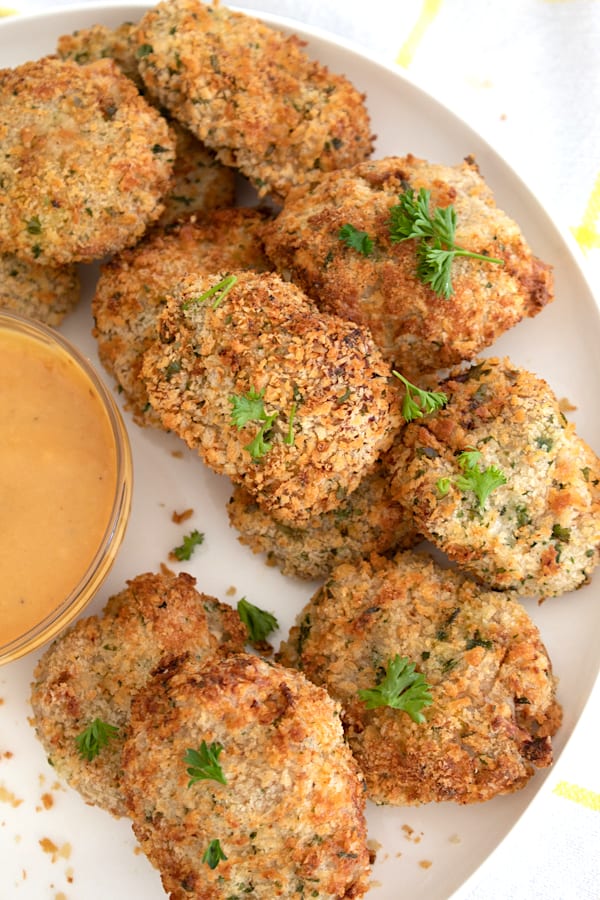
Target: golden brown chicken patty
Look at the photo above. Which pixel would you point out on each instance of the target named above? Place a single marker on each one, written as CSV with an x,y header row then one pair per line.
x,y
417,329
493,708
133,287
45,293
286,818
537,529
369,520
85,161
294,404
251,94
200,182
94,669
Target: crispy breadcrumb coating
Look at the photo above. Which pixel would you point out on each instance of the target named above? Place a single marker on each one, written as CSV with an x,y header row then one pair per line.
x,y
493,708
289,818
94,669
416,329
369,520
324,406
251,94
85,161
200,182
537,534
45,293
134,285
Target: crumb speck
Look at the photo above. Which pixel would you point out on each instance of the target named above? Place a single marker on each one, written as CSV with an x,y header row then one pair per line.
x,y
565,405
47,801
425,863
231,591
55,852
454,839
178,518
165,570
7,796
177,454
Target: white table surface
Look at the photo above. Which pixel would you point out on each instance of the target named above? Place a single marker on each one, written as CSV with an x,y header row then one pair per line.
x,y
525,74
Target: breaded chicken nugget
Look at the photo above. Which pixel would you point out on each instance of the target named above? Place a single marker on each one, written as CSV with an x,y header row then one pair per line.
x,y
94,669
85,161
501,482
417,329
294,404
369,520
493,708
45,293
251,94
101,42
133,287
200,182
281,813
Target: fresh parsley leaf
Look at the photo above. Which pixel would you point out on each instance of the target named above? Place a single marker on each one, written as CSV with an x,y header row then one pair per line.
x,y
435,236
401,688
203,764
190,542
213,854
481,481
417,402
357,240
219,291
96,736
258,622
246,408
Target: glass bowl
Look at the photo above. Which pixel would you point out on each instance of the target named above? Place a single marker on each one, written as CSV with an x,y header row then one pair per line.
x,y
66,481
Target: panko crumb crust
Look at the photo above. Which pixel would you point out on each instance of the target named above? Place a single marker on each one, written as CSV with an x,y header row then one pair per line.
x,y
200,182
336,409
290,817
85,161
95,668
134,285
493,708
251,94
538,534
369,520
44,293
416,329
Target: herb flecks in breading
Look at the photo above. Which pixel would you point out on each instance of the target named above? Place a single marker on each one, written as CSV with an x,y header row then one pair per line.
x,y
96,736
418,402
435,235
203,764
400,688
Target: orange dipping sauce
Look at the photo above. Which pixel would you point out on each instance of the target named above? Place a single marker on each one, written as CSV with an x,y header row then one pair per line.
x,y
58,479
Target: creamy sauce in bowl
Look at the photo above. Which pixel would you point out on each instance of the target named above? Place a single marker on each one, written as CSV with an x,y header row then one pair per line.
x,y
63,458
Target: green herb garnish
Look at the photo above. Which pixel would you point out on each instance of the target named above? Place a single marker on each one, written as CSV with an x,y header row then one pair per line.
x,y
481,481
213,854
96,736
203,764
401,688
357,240
435,234
417,402
250,407
190,542
219,291
258,622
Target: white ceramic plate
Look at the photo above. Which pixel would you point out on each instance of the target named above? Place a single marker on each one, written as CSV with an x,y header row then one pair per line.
x,y
54,846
